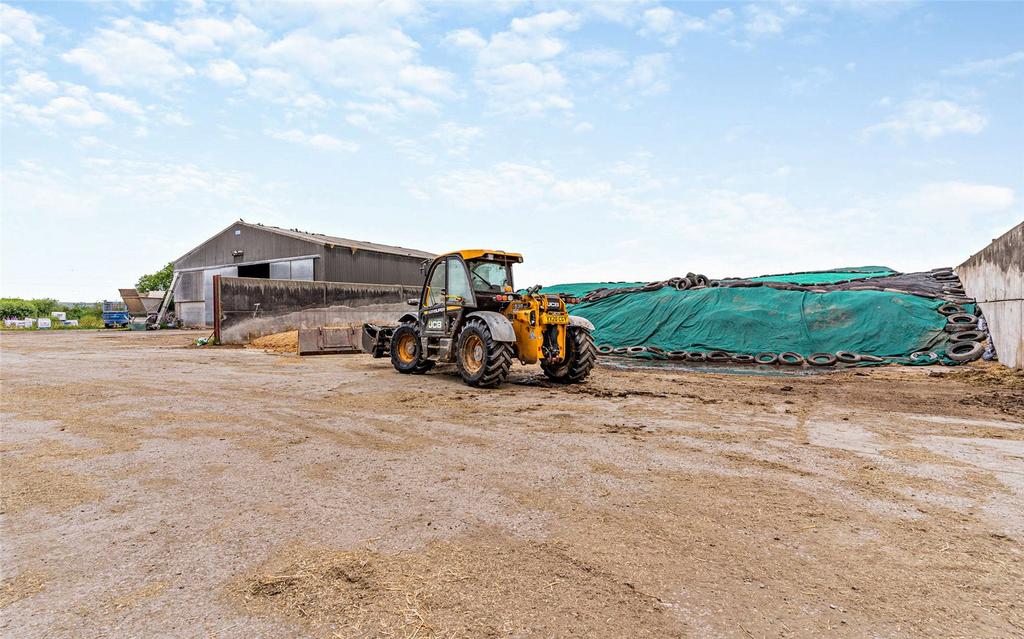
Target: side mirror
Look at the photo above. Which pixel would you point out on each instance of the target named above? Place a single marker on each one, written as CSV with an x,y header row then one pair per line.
x,y
412,301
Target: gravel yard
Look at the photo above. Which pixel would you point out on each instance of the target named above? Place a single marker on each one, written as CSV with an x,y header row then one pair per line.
x,y
153,489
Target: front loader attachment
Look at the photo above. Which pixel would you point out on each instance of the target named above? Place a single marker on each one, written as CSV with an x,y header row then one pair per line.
x,y
376,339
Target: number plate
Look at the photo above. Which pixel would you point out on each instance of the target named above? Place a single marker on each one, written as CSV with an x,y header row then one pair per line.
x,y
555,318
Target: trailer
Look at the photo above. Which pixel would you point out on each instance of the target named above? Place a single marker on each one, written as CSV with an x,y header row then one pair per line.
x,y
115,315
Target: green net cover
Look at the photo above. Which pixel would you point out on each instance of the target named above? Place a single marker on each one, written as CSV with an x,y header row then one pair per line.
x,y
828,277
764,319
581,289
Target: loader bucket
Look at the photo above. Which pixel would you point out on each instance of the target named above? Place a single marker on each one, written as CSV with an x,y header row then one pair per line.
x,y
376,339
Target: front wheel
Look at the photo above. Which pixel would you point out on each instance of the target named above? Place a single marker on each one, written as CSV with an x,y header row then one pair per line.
x,y
579,360
483,362
406,351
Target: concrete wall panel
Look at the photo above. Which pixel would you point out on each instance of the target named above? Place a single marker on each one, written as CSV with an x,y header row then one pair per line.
x,y
995,278
252,307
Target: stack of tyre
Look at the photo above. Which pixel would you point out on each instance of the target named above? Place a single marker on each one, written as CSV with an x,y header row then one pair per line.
x,y
966,342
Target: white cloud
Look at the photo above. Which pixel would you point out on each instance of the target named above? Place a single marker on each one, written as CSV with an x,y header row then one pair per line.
x,y
583,127
546,22
510,186
37,83
320,141
270,83
225,73
770,19
74,112
39,192
516,68
955,200
650,74
360,61
465,39
332,16
722,16
457,140
175,119
930,119
382,65
668,25
285,89
988,66
524,88
429,80
449,140
206,35
120,103
510,47
73,105
120,59
18,27
763,21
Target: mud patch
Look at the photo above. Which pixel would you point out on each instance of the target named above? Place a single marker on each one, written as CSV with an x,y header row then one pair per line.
x,y
483,586
26,485
23,585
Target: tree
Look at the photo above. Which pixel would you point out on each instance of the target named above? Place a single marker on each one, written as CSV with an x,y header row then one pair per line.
x,y
17,308
159,281
45,306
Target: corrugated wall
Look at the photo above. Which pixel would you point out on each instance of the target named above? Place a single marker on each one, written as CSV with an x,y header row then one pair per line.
x,y
995,278
335,264
256,244
368,267
190,287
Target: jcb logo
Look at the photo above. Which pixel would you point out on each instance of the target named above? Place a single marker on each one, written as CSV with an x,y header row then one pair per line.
x,y
435,324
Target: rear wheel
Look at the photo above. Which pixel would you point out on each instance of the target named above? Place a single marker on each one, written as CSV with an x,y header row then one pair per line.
x,y
482,361
406,351
580,356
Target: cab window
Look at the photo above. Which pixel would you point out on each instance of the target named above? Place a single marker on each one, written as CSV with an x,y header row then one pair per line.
x,y
490,277
435,287
459,289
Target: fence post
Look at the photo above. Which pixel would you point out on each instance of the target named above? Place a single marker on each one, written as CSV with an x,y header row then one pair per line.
x,y
216,309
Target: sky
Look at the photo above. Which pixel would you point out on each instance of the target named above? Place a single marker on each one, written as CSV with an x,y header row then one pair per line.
x,y
604,141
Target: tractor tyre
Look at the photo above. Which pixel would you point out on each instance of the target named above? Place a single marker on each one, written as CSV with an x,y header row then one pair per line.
x,y
482,361
406,351
581,355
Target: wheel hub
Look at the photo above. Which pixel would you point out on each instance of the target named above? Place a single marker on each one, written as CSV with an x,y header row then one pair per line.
x,y
473,354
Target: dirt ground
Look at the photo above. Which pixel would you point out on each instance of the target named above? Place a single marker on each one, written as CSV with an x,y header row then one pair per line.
x,y
153,489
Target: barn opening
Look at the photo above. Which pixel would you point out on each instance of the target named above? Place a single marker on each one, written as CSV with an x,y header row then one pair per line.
x,y
255,270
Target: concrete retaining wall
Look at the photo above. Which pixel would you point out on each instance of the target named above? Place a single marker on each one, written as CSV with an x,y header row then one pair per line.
x,y
995,277
253,307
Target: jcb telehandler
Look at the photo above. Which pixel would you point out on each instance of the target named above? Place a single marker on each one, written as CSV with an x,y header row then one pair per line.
x,y
468,313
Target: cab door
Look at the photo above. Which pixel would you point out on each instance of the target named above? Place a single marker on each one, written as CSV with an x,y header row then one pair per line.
x,y
459,292
432,301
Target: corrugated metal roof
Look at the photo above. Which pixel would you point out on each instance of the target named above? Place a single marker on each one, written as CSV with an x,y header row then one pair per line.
x,y
330,240
319,238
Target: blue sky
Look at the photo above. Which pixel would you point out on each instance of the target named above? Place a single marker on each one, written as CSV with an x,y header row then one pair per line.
x,y
615,141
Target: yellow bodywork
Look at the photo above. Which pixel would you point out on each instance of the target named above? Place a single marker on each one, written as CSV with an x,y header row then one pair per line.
x,y
530,316
498,256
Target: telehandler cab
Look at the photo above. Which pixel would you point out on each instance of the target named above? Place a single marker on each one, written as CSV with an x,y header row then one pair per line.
x,y
468,313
